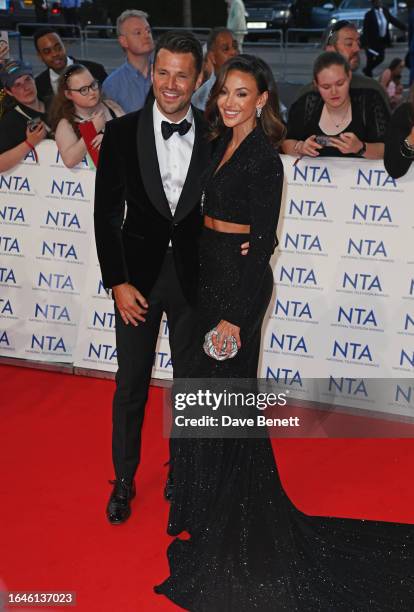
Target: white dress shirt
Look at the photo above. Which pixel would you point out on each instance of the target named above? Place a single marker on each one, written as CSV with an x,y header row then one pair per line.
x,y
174,156
382,22
54,76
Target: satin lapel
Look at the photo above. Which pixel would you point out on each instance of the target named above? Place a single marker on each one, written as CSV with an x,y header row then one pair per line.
x,y
191,192
148,162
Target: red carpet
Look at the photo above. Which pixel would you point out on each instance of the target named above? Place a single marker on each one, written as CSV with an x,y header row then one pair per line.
x,y
55,457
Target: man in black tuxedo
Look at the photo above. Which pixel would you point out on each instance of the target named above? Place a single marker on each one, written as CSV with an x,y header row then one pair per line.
x,y
52,52
151,160
376,34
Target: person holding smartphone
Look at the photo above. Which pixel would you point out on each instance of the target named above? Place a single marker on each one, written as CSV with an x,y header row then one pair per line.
x,y
334,120
23,126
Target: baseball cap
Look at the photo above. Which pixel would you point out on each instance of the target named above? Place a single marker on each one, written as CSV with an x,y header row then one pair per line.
x,y
12,70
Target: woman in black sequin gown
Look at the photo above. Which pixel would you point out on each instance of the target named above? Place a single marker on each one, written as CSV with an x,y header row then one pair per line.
x,y
250,548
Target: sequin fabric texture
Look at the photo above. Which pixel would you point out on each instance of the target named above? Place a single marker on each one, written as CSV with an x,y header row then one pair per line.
x,y
250,549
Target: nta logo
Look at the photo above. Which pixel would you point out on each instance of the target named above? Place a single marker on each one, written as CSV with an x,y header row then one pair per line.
x,y
374,178
298,276
371,212
357,316
362,282
52,312
15,183
315,174
304,242
307,208
368,248
293,308
55,281
59,249
63,219
13,214
71,189
352,350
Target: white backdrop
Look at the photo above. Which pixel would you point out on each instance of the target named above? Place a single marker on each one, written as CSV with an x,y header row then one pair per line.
x,y
344,274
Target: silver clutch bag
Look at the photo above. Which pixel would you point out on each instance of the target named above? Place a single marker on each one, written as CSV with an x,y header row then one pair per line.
x,y
228,351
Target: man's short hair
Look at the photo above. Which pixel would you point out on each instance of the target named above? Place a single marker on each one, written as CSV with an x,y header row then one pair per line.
x,y
125,15
43,32
181,42
333,34
214,34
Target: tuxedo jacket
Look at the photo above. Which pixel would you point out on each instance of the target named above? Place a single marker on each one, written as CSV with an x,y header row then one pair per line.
x,y
131,247
44,86
370,32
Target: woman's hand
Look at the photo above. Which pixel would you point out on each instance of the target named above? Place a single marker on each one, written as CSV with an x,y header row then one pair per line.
x,y
37,135
225,329
309,147
96,142
99,120
410,137
347,143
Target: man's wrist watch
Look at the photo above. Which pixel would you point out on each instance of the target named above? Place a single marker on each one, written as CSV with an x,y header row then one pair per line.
x,y
362,150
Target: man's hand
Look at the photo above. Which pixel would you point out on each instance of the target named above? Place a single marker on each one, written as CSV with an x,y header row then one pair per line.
x,y
226,329
131,303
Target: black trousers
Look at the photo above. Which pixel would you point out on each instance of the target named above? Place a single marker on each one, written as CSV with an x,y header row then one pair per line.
x,y
135,348
374,60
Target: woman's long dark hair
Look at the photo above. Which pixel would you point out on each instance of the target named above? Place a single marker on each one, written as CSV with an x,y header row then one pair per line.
x,y
62,107
270,120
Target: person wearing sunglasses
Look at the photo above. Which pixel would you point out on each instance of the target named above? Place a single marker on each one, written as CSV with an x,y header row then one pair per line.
x,y
23,126
344,38
78,100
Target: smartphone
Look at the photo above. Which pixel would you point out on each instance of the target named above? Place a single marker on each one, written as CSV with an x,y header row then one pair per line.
x,y
324,141
33,123
4,45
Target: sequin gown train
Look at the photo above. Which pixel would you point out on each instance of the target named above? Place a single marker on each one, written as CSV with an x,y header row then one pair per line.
x,y
250,548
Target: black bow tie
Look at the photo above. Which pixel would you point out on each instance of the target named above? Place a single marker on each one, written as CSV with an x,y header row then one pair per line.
x,y
168,129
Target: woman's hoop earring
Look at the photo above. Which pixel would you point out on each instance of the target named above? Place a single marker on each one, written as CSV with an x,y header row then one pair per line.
x,y
258,111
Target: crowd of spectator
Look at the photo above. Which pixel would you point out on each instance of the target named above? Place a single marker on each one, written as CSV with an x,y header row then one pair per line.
x,y
341,112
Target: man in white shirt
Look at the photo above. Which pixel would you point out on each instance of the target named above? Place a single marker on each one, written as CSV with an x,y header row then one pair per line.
x,y
52,52
375,34
151,161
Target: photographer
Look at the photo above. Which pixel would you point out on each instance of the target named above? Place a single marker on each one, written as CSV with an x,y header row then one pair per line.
x,y
23,126
335,120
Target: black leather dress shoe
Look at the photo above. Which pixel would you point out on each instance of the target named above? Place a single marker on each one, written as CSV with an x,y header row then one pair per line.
x,y
169,488
118,509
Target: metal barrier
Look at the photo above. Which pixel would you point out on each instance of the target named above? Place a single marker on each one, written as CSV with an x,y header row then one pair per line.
x,y
12,34
56,26
111,29
303,31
